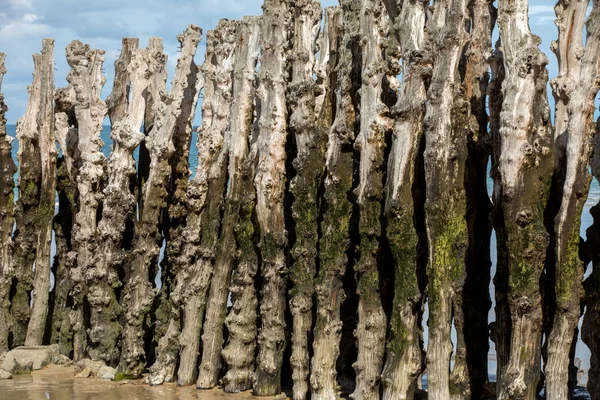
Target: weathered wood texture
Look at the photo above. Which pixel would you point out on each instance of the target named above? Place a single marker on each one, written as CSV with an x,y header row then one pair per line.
x,y
591,320
47,192
370,144
525,167
238,195
7,209
87,81
446,130
270,182
405,353
340,182
138,291
308,167
581,85
336,120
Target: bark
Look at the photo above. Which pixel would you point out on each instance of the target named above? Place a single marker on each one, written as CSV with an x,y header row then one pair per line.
x,y
270,190
472,304
61,301
525,167
404,360
308,168
167,325
370,144
118,207
240,174
138,292
36,180
579,85
446,131
7,185
47,193
337,117
591,320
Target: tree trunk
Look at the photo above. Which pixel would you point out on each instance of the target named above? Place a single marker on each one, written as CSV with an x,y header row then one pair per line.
x,y
167,324
138,292
580,129
47,193
308,169
87,81
239,132
7,186
446,131
525,167
270,189
370,144
404,361
118,208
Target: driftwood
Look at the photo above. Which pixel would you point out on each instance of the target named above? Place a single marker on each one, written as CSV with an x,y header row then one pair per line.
x,y
340,185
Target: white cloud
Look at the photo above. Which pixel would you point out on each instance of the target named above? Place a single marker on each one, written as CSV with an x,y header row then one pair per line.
x,y
540,9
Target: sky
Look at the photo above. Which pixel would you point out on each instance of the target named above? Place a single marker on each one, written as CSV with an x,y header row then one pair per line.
x,y
102,24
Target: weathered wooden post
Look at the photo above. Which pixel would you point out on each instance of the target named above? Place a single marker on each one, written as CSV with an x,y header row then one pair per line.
x,y
578,85
118,206
35,207
308,167
338,116
404,359
47,195
239,171
138,292
241,321
446,132
7,186
205,195
472,304
270,189
87,80
370,144
525,172
591,321
166,333
67,137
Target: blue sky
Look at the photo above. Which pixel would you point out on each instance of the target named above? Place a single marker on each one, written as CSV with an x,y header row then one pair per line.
x,y
102,24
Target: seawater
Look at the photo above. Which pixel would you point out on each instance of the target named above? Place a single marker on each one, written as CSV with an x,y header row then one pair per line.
x,y
594,198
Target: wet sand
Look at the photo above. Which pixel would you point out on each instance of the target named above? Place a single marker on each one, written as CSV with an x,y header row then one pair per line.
x,y
57,383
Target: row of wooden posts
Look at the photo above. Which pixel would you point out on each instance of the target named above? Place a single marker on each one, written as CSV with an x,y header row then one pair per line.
x,y
340,184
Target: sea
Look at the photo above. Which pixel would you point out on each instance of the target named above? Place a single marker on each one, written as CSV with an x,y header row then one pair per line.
x,y
582,352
